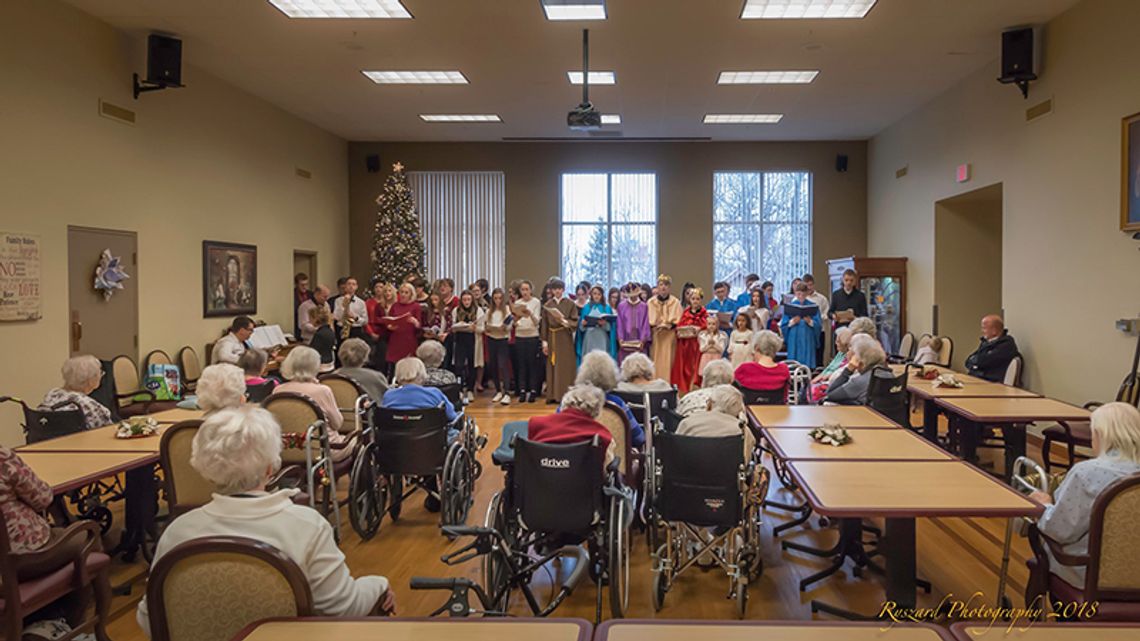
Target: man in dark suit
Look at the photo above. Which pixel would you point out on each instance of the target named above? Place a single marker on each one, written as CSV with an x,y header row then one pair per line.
x,y
994,353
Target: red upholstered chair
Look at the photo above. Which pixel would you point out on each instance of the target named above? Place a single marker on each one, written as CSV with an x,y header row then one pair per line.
x,y
1075,435
86,570
1111,577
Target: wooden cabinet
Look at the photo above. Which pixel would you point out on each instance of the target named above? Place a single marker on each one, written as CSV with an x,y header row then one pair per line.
x,y
883,281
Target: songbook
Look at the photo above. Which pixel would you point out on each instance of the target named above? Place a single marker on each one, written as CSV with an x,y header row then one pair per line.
x,y
792,310
844,316
724,318
392,320
520,310
634,345
463,327
592,321
557,317
267,337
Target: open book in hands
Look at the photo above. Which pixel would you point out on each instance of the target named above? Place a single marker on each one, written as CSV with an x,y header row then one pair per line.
x,y
558,318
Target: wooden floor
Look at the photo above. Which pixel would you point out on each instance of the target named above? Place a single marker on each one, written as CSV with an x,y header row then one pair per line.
x,y
959,556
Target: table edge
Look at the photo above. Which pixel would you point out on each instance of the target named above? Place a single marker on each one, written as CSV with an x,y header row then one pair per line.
x,y
145,458
585,628
999,420
874,411
602,631
957,629
946,456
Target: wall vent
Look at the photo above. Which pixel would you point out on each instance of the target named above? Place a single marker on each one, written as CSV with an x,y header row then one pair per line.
x,y
304,173
1039,110
117,113
901,172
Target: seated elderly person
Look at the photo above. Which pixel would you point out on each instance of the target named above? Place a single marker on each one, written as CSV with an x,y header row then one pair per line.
x,y
854,381
599,369
722,416
353,354
238,451
995,351
822,381
637,372
432,353
576,420
220,387
81,376
718,372
300,371
254,362
1116,454
763,373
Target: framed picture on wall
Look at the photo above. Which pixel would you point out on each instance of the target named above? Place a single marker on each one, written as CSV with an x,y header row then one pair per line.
x,y
1130,174
229,279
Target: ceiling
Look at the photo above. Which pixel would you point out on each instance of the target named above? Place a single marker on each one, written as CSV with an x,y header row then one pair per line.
x,y
666,54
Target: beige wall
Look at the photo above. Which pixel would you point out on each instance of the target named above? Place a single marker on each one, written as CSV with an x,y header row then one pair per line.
x,y
684,181
1068,271
205,162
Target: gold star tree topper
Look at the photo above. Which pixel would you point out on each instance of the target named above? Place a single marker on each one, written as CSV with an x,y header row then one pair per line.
x,y
398,167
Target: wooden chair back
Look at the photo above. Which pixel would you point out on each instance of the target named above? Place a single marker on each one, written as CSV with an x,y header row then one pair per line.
x,y
906,346
617,423
947,351
1114,543
126,375
189,364
155,357
294,413
209,588
345,391
185,487
1013,372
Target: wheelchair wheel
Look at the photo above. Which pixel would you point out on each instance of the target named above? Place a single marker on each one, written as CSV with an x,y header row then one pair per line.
x,y
395,495
660,587
496,572
100,515
367,495
618,558
741,596
457,490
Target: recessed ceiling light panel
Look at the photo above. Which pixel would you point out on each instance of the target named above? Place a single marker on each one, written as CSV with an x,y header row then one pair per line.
x,y
391,9
798,9
574,9
460,118
742,119
611,119
766,77
416,77
596,77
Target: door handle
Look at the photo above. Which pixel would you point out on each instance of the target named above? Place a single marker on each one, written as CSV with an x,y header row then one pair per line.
x,y
76,335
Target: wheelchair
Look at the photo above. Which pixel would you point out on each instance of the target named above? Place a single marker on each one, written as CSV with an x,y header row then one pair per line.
x,y
707,509
558,503
91,502
406,450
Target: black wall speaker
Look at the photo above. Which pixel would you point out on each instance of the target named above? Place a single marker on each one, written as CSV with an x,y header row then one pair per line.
x,y
841,163
163,60
1018,49
372,163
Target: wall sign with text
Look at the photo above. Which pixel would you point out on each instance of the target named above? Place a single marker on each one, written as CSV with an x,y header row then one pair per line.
x,y
20,277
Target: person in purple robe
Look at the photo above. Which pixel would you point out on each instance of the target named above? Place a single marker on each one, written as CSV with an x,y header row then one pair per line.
x,y
633,323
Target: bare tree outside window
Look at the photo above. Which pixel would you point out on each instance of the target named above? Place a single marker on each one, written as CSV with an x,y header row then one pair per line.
x,y
609,228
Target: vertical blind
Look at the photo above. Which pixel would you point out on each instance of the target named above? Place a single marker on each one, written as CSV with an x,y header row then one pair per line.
x,y
462,215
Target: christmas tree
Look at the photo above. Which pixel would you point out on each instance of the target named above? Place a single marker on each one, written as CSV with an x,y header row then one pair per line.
x,y
397,246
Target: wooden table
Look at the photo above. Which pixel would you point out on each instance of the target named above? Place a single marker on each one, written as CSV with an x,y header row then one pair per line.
x,y
809,416
100,439
667,630
964,631
866,444
490,629
177,415
1008,414
972,387
66,471
900,492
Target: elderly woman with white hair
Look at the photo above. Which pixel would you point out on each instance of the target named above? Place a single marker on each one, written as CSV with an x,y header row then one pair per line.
x,y
575,421
238,450
763,373
220,387
865,358
81,376
638,375
1116,455
432,353
300,370
600,370
718,372
722,416
353,353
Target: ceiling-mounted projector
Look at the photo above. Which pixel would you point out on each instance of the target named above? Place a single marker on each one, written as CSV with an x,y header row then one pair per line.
x,y
585,117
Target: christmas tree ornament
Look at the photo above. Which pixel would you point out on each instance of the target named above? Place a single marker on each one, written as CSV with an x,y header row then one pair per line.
x,y
109,274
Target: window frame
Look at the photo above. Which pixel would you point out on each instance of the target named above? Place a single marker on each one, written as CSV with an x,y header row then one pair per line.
x,y
609,223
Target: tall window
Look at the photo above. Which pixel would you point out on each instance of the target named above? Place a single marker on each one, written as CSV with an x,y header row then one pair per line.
x,y
462,215
609,228
762,225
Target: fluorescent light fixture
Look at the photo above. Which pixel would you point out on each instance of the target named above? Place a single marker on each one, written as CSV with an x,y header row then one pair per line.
x,y
574,9
342,8
596,77
611,119
416,77
766,77
742,119
461,118
793,9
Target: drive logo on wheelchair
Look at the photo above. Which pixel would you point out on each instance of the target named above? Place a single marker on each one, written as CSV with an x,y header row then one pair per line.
x,y
555,463
714,504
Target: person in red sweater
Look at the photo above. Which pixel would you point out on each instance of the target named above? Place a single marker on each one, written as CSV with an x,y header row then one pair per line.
x,y
685,374
400,326
576,421
764,373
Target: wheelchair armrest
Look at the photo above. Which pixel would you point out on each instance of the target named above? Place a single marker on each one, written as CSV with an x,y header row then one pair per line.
x,y
289,472
131,395
1059,554
349,440
467,530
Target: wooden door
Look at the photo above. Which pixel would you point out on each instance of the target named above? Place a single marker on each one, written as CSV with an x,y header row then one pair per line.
x,y
104,328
